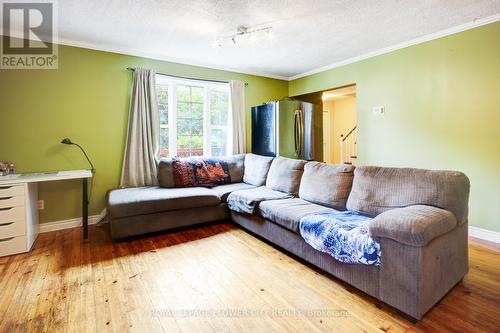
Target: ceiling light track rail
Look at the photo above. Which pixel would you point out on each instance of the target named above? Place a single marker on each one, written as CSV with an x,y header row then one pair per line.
x,y
244,32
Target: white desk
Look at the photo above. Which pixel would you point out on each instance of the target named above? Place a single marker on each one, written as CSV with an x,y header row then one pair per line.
x,y
19,212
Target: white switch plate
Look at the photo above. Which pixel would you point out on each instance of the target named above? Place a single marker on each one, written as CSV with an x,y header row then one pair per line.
x,y
378,109
41,204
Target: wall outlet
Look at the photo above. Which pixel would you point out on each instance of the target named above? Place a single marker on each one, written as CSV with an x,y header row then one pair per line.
x,y
41,204
380,109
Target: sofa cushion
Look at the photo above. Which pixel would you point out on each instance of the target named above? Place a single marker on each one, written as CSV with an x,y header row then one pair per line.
x,y
235,163
413,225
256,169
288,212
148,200
326,184
247,201
223,191
284,174
376,190
166,173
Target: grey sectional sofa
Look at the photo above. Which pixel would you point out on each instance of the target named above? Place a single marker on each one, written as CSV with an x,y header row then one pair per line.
x,y
419,218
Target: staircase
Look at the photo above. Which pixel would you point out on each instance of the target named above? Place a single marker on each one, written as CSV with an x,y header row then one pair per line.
x,y
349,147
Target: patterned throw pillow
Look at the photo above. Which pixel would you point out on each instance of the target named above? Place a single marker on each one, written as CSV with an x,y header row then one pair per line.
x,y
206,172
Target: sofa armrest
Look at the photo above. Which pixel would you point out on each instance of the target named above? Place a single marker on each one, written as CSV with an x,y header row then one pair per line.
x,y
413,225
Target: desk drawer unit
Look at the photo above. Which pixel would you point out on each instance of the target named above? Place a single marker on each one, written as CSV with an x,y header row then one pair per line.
x,y
12,245
13,233
12,196
12,214
9,202
12,229
11,191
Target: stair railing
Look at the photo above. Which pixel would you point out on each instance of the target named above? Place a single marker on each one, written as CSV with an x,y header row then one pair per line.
x,y
348,147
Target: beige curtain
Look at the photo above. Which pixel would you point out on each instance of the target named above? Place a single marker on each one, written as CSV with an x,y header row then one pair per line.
x,y
238,117
141,148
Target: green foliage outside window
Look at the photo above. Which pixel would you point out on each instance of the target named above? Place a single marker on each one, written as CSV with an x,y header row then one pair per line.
x,y
189,122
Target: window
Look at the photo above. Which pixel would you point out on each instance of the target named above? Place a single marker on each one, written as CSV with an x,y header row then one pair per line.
x,y
219,106
193,117
162,93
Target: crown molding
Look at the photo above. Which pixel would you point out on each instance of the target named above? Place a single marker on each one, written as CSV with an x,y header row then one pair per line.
x,y
415,41
155,56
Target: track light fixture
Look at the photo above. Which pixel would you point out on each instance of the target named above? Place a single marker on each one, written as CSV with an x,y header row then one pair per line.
x,y
244,33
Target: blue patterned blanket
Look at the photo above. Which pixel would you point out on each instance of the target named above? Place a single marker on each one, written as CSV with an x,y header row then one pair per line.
x,y
343,235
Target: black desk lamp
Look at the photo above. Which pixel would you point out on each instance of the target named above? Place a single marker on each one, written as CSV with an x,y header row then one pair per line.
x,y
67,141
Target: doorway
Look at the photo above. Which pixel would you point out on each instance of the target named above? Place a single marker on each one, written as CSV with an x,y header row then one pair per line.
x,y
340,125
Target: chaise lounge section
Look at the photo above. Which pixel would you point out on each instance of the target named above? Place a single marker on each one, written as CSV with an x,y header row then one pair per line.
x,y
418,217
142,210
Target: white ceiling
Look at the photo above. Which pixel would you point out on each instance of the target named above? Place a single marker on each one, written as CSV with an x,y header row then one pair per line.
x,y
308,34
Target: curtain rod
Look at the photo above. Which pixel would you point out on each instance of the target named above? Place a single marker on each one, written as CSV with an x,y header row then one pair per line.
x,y
187,78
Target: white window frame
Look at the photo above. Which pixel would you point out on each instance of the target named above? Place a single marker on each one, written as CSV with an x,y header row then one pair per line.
x,y
172,83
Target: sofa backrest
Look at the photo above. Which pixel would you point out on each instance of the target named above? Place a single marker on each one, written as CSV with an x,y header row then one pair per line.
x,y
326,184
378,189
235,163
285,174
256,169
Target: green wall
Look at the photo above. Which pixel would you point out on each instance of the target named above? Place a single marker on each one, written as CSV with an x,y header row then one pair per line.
x,y
86,99
442,102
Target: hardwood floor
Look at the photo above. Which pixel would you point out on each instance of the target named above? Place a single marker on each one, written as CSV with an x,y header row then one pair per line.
x,y
214,278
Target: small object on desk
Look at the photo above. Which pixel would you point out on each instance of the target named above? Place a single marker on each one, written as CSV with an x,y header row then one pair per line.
x,y
7,168
3,169
12,168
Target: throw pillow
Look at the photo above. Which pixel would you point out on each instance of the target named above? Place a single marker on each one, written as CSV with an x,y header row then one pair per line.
x,y
200,172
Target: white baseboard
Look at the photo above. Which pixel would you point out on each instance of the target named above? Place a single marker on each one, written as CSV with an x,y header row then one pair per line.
x,y
487,235
71,223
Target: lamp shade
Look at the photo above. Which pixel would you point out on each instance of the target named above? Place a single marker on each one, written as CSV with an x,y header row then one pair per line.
x,y
66,141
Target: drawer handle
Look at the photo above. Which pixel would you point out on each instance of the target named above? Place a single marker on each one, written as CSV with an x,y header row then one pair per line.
x,y
6,224
8,208
6,198
6,239
5,187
